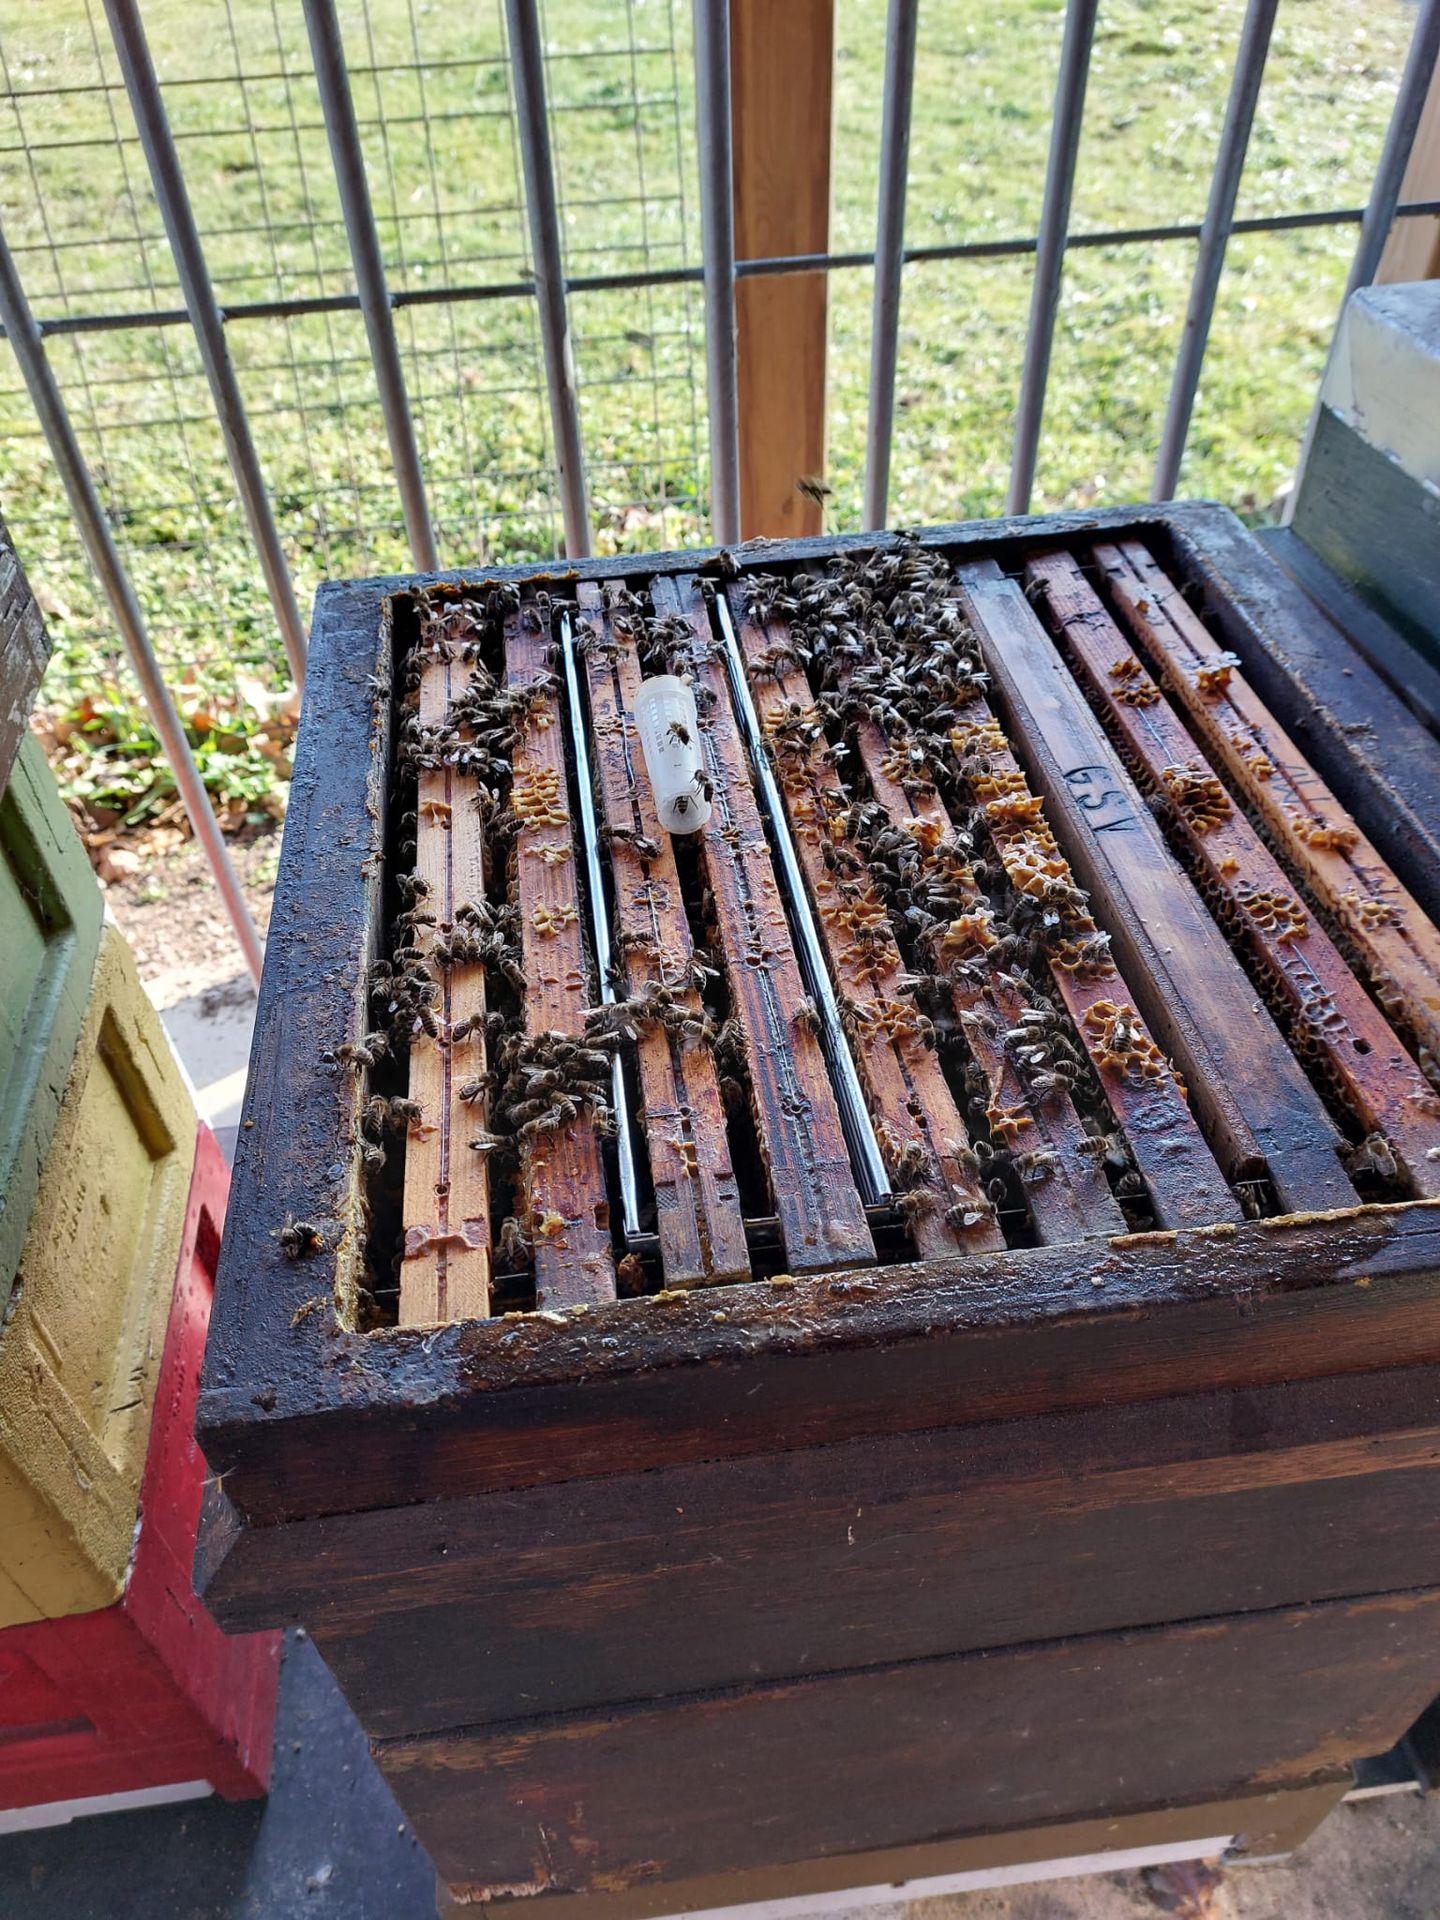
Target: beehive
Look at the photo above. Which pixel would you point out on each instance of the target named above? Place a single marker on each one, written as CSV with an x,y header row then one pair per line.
x,y
80,1351
147,1693
1019,1307
50,912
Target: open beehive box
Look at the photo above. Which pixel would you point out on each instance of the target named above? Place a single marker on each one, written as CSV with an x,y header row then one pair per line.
x,y
905,1315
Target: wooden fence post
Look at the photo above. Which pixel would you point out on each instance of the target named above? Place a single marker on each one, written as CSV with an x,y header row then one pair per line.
x,y
782,59
1413,250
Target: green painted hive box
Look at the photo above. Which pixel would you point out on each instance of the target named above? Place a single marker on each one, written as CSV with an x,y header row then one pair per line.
x,y
80,1350
50,911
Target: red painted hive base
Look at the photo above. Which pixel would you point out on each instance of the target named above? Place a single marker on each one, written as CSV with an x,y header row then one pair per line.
x,y
149,1692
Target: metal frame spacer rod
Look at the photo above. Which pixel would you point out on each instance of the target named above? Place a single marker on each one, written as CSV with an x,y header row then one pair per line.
x,y
717,245
527,68
327,53
900,37
1050,246
865,1154
89,514
599,924
1214,240
206,317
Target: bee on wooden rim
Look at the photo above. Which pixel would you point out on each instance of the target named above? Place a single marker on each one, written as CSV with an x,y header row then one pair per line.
x,y
297,1238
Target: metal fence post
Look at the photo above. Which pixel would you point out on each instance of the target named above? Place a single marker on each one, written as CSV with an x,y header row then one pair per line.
x,y
174,201
1384,198
717,238
900,36
50,410
327,51
527,66
1050,246
1214,239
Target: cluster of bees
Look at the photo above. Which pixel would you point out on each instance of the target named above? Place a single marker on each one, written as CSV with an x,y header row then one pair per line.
x,y
883,639
880,637
545,1080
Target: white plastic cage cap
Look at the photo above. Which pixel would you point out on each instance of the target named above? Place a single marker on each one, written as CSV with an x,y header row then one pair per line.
x,y
669,730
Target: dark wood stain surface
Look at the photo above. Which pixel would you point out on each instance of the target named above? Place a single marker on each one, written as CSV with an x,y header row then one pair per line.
x,y
644,1382
1080,1523
984,1742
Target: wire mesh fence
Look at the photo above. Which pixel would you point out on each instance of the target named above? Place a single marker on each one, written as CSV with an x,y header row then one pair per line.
x,y
434,98
432,95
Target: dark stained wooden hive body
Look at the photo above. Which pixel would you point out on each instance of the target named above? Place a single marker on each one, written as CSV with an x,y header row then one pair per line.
x,y
1090,1470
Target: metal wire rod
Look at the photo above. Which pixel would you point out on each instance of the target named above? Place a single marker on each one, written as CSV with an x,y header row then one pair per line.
x,y
1384,199
865,1155
138,71
1214,239
770,264
470,63
328,54
900,35
532,125
1050,246
599,925
110,571
717,246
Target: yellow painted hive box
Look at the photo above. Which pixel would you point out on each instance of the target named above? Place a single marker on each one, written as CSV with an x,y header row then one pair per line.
x,y
80,1351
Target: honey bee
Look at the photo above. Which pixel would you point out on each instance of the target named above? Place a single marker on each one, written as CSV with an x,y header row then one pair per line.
x,y
298,1238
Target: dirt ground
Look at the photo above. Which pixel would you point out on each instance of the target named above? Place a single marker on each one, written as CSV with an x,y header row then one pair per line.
x,y
1373,1860
171,913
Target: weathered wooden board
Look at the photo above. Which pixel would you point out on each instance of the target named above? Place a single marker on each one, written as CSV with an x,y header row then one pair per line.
x,y
896,1754
1264,1825
1358,629
1260,1114
1354,728
1071,1198
1080,1523
698,1219
445,1262
1143,1090
647,1383
1335,1020
566,1209
1399,946
797,1123
1185,1186
921,1133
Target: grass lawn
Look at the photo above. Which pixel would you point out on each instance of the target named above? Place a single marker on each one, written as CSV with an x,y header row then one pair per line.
x,y
432,89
